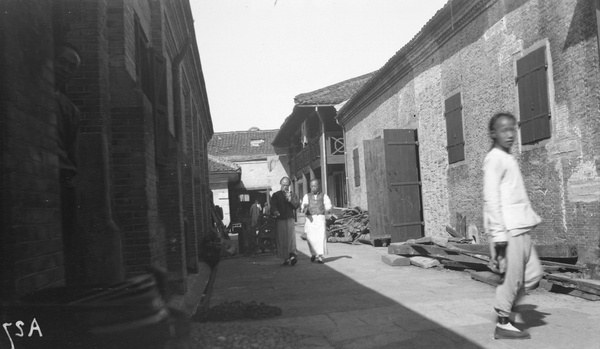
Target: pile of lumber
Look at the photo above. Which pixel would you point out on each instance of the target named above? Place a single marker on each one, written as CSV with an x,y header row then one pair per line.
x,y
561,274
352,226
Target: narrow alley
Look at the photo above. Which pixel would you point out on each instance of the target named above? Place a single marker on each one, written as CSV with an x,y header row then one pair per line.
x,y
355,300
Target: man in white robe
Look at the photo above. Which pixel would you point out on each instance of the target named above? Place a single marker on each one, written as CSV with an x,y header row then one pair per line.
x,y
315,205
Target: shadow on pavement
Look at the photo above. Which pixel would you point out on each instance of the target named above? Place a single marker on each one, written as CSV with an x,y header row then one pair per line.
x,y
322,302
331,259
531,317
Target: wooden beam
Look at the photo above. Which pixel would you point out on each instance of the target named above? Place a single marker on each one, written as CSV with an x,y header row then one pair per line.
x,y
452,232
544,251
430,251
585,285
551,287
562,265
486,276
464,265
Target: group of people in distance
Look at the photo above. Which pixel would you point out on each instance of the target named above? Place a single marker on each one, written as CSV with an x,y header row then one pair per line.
x,y
314,206
508,219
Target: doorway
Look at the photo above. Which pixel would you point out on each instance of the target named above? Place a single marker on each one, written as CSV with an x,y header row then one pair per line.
x,y
393,179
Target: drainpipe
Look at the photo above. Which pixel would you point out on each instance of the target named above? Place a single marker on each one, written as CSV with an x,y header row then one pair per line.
x,y
345,163
323,153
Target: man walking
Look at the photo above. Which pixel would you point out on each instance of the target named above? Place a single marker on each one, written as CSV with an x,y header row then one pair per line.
x,y
283,205
315,206
508,219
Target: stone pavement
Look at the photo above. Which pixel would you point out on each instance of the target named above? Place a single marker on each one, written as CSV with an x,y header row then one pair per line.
x,y
357,301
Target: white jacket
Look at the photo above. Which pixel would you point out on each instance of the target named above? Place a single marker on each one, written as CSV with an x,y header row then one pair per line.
x,y
506,205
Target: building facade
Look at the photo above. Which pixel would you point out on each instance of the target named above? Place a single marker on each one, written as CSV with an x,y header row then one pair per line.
x,y
536,59
222,175
261,164
314,141
142,182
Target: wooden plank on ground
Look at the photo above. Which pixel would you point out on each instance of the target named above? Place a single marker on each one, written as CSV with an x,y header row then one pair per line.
x,y
395,260
562,265
585,285
423,241
464,265
424,262
430,251
551,287
544,251
486,276
548,251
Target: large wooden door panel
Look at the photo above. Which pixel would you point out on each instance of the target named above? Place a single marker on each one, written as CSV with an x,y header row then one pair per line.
x,y
376,189
403,184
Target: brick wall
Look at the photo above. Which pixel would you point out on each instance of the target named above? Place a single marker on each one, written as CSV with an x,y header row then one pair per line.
x,y
477,58
89,90
130,210
30,238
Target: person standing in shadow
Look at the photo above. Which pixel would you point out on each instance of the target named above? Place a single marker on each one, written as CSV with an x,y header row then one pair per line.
x,y
67,61
283,207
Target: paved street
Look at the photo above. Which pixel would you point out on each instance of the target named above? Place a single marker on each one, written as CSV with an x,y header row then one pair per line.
x,y
357,301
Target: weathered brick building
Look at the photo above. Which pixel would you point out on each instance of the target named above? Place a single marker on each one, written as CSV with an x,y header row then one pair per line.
x,y
315,142
537,59
261,167
142,183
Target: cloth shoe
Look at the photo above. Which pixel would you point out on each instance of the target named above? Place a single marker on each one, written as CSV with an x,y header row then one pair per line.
x,y
293,259
320,260
286,262
506,330
312,258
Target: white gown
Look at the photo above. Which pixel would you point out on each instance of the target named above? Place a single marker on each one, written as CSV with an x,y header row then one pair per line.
x,y
315,229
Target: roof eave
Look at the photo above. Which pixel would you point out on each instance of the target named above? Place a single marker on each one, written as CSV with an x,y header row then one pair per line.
x,y
400,64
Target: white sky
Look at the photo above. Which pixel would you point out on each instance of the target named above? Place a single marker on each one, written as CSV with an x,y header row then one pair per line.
x,y
257,55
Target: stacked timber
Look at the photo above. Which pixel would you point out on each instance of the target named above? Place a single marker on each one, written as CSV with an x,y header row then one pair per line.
x,y
561,274
351,227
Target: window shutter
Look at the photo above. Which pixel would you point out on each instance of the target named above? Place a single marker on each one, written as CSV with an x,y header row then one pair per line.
x,y
355,160
532,87
159,102
454,129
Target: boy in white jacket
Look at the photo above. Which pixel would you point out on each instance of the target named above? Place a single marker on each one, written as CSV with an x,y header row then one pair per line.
x,y
508,218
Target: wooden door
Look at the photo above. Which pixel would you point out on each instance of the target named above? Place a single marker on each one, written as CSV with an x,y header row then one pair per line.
x,y
376,189
403,183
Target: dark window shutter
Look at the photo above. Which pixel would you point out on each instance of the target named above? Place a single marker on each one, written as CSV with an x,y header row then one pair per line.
x,y
159,102
454,129
355,160
534,109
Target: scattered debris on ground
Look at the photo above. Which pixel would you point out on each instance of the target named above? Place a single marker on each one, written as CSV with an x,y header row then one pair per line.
x,y
351,227
252,335
459,252
237,310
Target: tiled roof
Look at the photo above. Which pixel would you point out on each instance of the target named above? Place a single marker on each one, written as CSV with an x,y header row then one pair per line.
x,y
333,94
239,144
426,33
216,164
